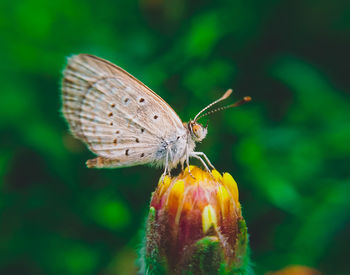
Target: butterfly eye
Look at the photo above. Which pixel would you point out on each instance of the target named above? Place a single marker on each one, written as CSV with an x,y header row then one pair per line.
x,y
196,128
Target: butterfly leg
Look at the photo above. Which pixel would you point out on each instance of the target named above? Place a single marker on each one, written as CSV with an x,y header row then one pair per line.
x,y
206,158
202,161
170,156
166,166
188,162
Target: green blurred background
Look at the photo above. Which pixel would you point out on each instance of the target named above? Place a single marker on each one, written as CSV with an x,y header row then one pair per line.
x,y
288,149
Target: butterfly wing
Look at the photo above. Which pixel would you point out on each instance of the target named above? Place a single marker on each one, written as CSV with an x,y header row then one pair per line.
x,y
117,116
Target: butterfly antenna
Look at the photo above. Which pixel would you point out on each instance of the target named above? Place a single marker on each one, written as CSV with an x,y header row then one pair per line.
x,y
226,95
236,104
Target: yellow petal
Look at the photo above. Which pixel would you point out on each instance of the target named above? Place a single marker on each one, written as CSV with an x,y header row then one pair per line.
x,y
195,175
163,185
217,176
190,167
208,218
175,196
231,184
223,198
222,194
178,188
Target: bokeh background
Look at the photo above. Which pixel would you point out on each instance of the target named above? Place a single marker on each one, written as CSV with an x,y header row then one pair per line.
x,y
289,149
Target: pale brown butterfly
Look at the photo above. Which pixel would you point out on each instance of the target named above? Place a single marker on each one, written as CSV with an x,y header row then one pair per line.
x,y
123,121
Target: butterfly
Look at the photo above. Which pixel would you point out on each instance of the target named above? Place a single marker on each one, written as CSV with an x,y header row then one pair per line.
x,y
124,122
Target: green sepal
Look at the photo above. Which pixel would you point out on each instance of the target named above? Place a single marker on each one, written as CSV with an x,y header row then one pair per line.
x,y
150,261
206,257
241,264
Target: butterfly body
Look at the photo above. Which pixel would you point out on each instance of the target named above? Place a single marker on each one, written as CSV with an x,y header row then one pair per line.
x,y
123,121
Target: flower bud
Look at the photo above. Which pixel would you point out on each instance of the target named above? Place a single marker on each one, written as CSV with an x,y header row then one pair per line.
x,y
195,226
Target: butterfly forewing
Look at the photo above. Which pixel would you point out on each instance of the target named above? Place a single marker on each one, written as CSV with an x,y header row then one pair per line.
x,y
115,114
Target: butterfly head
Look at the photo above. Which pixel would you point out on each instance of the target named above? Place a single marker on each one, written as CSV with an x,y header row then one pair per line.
x,y
197,130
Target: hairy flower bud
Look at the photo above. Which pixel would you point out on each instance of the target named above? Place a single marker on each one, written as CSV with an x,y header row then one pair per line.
x,y
195,226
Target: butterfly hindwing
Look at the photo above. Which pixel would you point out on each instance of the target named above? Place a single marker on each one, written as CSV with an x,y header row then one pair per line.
x,y
117,116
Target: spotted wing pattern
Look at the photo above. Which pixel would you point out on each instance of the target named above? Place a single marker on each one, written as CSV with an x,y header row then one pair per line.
x,y
119,118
